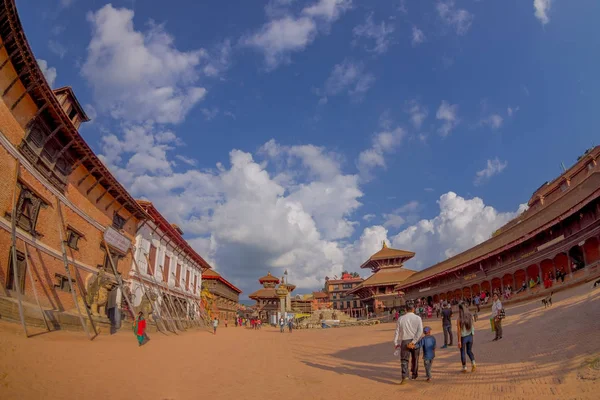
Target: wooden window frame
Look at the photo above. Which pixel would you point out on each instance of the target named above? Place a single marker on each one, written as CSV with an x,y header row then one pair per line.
x,y
73,235
10,283
62,283
118,222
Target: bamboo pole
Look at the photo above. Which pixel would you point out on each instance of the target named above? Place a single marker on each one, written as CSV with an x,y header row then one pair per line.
x,y
137,270
13,247
37,300
61,227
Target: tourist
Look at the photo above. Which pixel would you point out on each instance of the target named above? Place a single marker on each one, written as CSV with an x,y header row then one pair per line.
x,y
139,328
447,325
477,302
290,325
465,330
281,325
215,324
531,283
226,322
427,343
497,314
523,287
409,329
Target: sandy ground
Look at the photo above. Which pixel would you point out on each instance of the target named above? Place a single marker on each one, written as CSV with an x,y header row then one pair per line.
x,y
542,356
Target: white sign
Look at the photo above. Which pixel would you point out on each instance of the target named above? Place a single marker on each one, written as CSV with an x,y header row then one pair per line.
x,y
116,240
425,289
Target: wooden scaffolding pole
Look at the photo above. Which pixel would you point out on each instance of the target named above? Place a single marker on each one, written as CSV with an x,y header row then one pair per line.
x,y
13,247
169,306
139,275
119,280
61,227
37,300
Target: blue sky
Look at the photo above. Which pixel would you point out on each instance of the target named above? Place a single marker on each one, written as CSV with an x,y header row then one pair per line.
x,y
300,134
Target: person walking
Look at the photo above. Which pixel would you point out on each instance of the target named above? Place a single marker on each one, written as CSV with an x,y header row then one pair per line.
x,y
476,300
281,325
139,328
427,343
497,314
290,324
447,325
465,331
409,329
215,324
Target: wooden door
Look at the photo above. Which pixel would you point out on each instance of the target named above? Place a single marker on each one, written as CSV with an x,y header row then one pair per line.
x,y
152,258
166,269
178,275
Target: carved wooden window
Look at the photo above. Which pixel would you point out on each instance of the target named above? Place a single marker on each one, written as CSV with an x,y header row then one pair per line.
x,y
118,221
187,280
28,209
195,283
21,271
115,259
73,239
62,283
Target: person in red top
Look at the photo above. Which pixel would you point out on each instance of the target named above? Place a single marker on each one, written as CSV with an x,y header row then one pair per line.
x,y
140,328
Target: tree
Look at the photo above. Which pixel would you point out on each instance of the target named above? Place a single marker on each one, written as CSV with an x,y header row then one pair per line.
x,y
355,275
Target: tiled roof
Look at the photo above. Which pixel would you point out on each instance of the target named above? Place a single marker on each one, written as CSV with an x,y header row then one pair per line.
x,y
268,278
527,226
264,293
386,276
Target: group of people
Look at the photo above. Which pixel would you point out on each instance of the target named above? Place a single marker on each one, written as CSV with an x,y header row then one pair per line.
x,y
410,336
283,323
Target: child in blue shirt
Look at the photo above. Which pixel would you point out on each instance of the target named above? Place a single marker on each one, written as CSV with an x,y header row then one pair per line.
x,y
427,342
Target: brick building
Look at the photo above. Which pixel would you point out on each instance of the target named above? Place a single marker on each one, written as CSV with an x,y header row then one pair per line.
x,y
226,296
170,271
338,293
56,194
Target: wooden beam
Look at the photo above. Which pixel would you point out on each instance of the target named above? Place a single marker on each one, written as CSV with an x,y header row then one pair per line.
x,y
111,203
79,162
7,39
84,178
10,56
11,84
93,186
52,134
101,196
22,96
37,114
64,149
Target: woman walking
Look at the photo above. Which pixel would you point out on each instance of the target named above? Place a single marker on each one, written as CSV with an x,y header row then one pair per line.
x,y
466,331
139,328
497,314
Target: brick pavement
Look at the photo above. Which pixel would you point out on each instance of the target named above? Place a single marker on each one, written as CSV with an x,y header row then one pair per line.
x,y
540,357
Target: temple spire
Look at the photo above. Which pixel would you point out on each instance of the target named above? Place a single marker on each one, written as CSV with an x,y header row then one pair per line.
x,y
384,245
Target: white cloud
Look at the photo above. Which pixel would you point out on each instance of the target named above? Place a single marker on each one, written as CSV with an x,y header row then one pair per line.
x,y
461,224
219,60
401,215
284,33
210,113
140,76
349,77
66,3
383,143
459,19
510,111
91,112
542,7
418,36
493,167
368,217
187,160
49,72
448,113
417,112
378,32
494,121
57,48
393,220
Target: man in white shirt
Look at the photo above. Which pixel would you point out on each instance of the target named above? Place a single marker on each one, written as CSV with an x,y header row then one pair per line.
x,y
409,329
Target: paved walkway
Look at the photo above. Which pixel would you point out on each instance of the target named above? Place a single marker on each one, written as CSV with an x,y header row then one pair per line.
x,y
542,356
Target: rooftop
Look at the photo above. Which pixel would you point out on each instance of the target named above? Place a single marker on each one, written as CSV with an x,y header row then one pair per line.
x,y
387,257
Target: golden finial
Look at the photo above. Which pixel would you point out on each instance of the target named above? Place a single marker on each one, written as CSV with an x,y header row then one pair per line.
x,y
384,245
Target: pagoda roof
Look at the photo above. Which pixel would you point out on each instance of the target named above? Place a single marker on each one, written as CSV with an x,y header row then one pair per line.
x,y
384,277
320,295
387,256
268,278
264,293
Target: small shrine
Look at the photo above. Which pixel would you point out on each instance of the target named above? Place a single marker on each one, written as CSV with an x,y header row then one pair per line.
x,y
273,298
